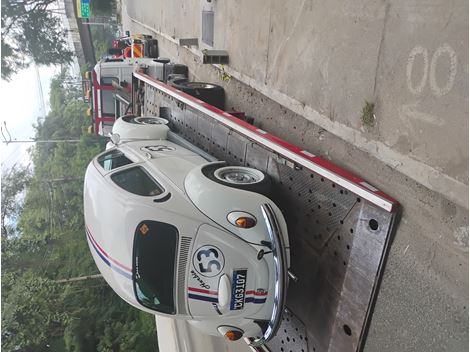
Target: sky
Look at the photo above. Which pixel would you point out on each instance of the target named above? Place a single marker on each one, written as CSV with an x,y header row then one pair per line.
x,y
21,108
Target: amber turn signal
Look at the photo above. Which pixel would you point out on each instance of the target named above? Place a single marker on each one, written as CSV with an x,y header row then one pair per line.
x,y
233,335
245,222
241,219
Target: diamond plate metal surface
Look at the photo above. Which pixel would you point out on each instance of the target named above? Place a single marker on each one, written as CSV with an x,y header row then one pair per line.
x,y
338,241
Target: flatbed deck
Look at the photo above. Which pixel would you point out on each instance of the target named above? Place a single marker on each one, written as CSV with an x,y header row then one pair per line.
x,y
340,226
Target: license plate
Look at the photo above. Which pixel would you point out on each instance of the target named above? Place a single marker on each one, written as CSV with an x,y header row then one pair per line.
x,y
238,289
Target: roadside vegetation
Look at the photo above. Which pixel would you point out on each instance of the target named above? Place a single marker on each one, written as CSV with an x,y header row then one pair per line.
x,y
103,35
44,246
32,31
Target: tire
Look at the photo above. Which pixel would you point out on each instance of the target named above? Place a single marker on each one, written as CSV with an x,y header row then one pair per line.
x,y
131,127
153,48
145,120
241,177
162,60
207,92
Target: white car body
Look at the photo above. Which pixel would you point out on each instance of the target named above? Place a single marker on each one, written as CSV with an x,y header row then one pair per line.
x,y
178,239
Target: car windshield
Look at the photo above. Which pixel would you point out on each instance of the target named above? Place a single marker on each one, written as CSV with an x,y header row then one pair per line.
x,y
155,247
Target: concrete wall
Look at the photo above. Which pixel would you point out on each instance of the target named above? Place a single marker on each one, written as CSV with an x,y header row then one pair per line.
x,y
409,58
304,70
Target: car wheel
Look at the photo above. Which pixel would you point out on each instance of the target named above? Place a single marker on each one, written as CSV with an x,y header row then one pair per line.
x,y
242,177
207,92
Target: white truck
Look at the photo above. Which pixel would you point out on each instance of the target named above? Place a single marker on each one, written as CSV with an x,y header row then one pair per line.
x,y
107,88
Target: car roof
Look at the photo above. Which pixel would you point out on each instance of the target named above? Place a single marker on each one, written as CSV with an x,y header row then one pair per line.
x,y
109,234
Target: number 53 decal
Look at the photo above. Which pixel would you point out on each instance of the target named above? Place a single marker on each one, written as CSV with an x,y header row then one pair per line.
x,y
208,261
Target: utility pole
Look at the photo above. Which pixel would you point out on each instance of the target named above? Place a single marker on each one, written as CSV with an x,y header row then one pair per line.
x,y
79,278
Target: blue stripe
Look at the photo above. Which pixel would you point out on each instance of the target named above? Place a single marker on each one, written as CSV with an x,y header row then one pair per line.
x,y
204,298
108,263
255,300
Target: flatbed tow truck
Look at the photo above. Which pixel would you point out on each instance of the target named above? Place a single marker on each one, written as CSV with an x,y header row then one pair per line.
x,y
345,221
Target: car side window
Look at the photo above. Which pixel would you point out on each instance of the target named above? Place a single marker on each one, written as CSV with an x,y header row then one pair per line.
x,y
136,180
113,159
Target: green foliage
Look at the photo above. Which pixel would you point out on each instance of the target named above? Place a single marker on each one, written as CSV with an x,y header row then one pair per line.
x,y
14,182
32,31
102,39
84,68
32,310
368,116
49,244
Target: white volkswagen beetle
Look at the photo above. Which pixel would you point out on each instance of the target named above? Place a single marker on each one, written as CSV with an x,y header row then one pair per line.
x,y
176,234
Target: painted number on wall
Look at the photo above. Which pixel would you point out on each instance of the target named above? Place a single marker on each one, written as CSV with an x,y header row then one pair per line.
x,y
429,69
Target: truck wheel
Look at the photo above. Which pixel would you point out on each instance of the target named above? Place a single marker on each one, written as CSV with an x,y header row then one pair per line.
x,y
242,177
153,48
207,92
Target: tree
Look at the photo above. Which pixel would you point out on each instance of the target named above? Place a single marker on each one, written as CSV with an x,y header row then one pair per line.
x,y
44,305
14,182
32,31
32,311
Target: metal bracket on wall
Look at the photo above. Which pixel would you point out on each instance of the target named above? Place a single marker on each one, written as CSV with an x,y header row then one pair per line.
x,y
189,42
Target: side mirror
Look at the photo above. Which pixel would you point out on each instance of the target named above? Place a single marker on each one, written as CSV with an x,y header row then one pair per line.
x,y
115,138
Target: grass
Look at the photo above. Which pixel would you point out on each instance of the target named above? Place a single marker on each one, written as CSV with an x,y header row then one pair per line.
x,y
368,117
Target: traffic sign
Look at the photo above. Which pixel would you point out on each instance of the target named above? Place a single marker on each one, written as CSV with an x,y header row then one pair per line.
x,y
83,8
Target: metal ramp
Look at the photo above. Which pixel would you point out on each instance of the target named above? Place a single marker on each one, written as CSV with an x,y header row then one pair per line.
x,y
339,225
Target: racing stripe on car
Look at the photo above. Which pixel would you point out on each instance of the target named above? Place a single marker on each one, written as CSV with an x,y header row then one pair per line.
x,y
198,294
255,300
256,293
112,263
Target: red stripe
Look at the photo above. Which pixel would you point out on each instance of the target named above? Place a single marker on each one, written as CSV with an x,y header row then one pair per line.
x,y
201,290
106,254
256,293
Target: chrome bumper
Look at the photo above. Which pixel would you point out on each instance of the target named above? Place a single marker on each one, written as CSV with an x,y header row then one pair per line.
x,y
281,276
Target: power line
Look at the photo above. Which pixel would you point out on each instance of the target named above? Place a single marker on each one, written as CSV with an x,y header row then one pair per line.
x,y
7,140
